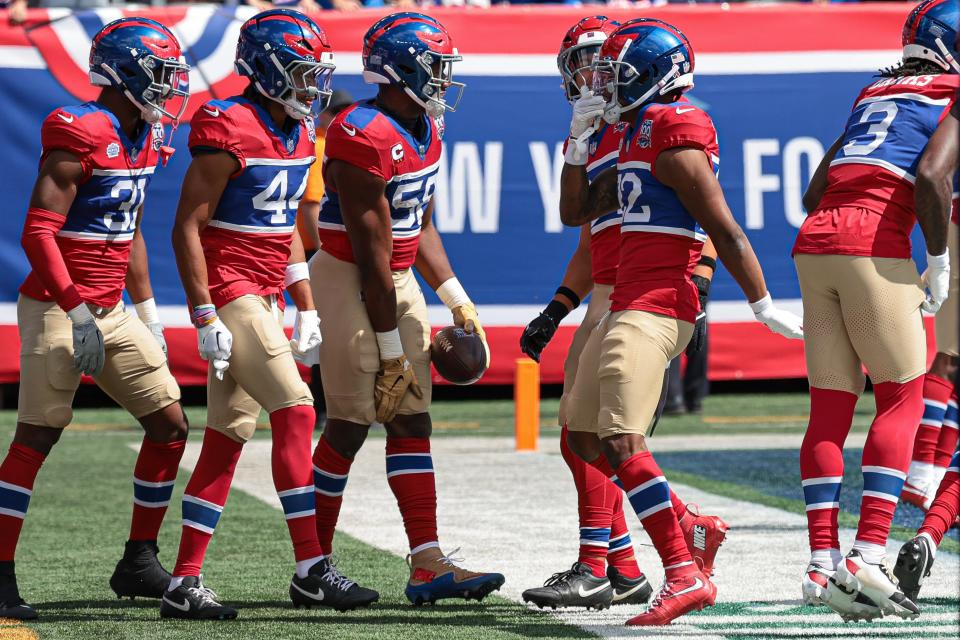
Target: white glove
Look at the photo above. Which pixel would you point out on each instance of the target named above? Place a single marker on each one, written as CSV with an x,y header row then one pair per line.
x,y
215,343
785,323
937,279
147,312
306,338
586,111
88,351
157,330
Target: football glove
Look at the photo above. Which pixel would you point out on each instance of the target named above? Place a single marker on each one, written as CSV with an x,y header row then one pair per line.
x,y
700,328
785,323
305,344
394,379
215,342
465,316
147,312
157,330
541,329
937,279
88,352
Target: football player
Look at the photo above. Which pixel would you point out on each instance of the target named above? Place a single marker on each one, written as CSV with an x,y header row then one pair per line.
x,y
936,176
862,300
83,240
237,250
606,570
382,158
666,187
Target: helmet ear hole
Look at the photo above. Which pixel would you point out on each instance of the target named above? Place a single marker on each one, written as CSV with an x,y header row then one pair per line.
x,y
405,68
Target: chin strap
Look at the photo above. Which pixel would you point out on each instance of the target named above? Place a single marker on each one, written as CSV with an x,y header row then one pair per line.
x,y
947,56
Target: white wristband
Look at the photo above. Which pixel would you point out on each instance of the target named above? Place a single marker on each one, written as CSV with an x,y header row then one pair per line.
x,y
390,345
452,294
295,273
147,311
941,262
574,155
762,305
80,314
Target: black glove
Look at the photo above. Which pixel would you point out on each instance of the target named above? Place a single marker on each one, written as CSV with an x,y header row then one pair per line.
x,y
540,331
700,328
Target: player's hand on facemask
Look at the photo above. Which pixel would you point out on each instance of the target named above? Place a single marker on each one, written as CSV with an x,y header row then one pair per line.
x,y
787,324
305,344
937,279
88,352
586,109
394,379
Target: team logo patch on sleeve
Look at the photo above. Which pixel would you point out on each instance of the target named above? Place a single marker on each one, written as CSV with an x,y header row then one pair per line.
x,y
646,133
113,150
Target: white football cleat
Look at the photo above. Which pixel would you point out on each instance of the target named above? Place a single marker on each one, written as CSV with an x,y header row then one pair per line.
x,y
814,585
851,605
877,583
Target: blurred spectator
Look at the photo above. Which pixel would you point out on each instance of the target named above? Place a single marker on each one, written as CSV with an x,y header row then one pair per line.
x,y
17,10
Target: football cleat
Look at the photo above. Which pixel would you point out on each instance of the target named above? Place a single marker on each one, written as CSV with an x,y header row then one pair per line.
x,y
193,601
814,586
850,604
913,565
918,492
325,586
629,590
11,604
703,535
677,597
876,582
575,587
139,573
434,576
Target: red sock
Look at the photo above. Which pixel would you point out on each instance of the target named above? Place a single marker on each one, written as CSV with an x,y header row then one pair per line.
x,y
621,555
153,479
601,465
649,494
410,475
821,463
679,507
17,473
292,430
204,498
949,435
886,456
936,393
595,495
330,471
943,512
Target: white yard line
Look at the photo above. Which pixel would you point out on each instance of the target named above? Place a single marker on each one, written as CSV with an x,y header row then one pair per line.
x,y
516,513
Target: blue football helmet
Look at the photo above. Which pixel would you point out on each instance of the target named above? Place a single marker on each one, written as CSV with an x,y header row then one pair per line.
x,y
288,59
640,61
142,59
414,52
930,33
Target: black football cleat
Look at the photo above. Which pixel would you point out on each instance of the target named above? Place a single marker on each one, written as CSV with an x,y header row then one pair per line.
x,y
913,565
325,586
11,604
629,590
139,574
576,587
193,601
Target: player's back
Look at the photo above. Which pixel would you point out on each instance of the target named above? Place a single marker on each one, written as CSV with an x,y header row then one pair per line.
x,y
867,208
247,240
603,149
367,137
96,236
660,241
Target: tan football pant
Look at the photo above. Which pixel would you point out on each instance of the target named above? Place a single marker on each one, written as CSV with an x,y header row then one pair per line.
x,y
861,311
621,371
946,320
349,354
599,304
262,370
135,372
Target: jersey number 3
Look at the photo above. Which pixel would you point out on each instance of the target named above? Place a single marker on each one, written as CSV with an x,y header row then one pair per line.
x,y
274,198
881,116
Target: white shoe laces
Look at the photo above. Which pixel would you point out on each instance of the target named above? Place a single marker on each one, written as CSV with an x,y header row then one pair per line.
x,y
333,576
451,559
206,595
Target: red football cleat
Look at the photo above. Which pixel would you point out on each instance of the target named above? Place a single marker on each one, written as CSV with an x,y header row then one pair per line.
x,y
703,535
677,597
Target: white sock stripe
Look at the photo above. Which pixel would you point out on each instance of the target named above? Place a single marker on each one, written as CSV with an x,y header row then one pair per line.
x,y
406,472
950,424
424,547
654,509
816,506
646,485
13,514
296,491
678,565
335,476
953,469
930,422
151,505
397,455
203,503
952,403
885,470
620,537
933,403
824,480
153,485
14,487
584,542
331,494
301,514
881,496
198,526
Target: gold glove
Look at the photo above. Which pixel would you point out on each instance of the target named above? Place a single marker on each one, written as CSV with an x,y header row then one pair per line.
x,y
394,379
465,316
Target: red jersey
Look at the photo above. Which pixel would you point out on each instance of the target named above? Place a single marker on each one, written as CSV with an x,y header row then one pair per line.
x,y
660,241
247,241
867,209
372,140
96,237
604,148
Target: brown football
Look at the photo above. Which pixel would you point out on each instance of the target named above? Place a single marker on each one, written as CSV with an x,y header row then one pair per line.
x,y
458,356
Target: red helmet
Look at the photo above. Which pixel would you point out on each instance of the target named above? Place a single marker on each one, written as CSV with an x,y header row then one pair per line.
x,y
580,46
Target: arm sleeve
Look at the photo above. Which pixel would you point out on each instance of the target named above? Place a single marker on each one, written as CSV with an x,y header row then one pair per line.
x,y
357,149
63,131
209,132
40,244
